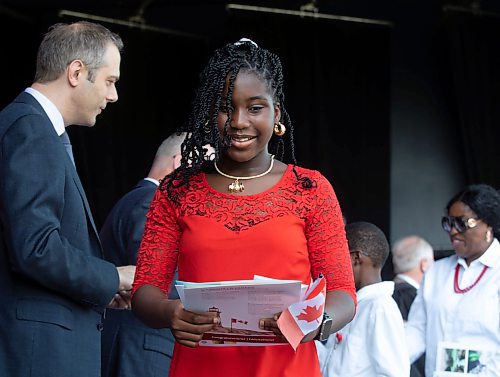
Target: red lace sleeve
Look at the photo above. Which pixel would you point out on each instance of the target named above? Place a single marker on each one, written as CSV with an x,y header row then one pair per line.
x,y
157,256
327,244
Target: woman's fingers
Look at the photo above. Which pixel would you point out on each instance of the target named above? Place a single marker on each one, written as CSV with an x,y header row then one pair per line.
x,y
188,327
270,324
192,337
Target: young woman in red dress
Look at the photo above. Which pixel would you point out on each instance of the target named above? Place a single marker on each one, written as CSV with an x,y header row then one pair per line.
x,y
242,213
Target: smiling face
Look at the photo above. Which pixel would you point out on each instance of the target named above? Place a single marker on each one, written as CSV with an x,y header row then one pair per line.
x,y
472,243
253,115
91,97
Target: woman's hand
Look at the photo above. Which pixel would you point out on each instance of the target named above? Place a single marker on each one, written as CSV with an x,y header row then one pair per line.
x,y
310,336
151,305
188,327
271,324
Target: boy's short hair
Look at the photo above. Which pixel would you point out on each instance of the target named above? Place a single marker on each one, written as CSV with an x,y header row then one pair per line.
x,y
369,240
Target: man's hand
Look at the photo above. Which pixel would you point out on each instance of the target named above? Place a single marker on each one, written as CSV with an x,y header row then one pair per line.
x,y
122,300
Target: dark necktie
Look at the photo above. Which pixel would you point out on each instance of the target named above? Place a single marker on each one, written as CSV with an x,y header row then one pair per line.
x,y
67,144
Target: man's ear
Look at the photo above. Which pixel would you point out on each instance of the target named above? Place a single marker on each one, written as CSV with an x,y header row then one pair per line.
x,y
177,161
74,72
424,265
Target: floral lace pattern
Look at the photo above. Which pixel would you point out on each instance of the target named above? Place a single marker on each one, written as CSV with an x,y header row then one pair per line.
x,y
317,207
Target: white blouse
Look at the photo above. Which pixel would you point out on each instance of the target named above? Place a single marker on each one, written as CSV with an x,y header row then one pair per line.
x,y
438,314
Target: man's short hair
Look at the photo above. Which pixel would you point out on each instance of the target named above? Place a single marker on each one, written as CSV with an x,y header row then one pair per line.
x,y
64,43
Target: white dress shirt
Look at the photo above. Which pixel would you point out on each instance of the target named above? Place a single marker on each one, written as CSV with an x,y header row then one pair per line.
x,y
408,280
152,180
438,314
373,344
50,109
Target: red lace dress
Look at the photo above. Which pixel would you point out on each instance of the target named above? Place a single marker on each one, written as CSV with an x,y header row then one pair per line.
x,y
286,232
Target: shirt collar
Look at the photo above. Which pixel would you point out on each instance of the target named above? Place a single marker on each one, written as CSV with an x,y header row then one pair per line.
x,y
50,109
383,288
408,280
157,183
490,258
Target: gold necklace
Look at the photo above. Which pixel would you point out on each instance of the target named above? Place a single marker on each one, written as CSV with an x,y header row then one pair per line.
x,y
238,186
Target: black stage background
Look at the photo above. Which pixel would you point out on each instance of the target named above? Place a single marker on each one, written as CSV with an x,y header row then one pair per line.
x,y
340,83
336,85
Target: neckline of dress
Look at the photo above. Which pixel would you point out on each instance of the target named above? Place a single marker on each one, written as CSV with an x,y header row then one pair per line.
x,y
274,187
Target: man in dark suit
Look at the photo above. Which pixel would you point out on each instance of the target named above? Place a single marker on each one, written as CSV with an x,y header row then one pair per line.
x,y
411,257
54,284
129,347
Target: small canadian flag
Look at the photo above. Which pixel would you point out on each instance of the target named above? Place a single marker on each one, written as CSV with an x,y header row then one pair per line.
x,y
234,320
304,316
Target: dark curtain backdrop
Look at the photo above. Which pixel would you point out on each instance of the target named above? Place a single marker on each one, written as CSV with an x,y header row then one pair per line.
x,y
158,73
337,80
337,87
474,53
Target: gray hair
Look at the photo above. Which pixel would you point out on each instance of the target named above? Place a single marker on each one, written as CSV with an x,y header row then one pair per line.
x,y
171,145
64,43
407,253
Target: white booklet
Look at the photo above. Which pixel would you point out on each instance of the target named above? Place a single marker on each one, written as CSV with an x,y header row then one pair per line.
x,y
240,304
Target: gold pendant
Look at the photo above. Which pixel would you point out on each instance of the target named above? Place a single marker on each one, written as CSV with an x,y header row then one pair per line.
x,y
236,187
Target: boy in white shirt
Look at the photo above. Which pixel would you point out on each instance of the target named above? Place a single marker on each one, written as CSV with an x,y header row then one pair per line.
x,y
373,344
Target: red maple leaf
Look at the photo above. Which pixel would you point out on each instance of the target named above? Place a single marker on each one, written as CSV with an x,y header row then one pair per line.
x,y
310,313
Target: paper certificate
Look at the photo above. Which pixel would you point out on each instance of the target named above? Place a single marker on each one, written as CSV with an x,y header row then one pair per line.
x,y
240,305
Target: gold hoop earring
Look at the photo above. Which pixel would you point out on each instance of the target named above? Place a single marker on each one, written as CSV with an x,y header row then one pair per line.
x,y
488,236
279,129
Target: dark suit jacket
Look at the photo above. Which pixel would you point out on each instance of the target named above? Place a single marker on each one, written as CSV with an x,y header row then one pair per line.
x,y
404,294
54,283
130,348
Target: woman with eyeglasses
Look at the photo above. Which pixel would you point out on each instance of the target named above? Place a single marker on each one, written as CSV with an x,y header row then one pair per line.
x,y
458,303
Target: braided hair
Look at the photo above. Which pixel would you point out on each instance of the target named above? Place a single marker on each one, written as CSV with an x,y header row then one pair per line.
x,y
220,73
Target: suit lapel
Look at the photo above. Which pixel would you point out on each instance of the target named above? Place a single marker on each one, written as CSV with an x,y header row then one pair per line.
x,y
28,99
79,186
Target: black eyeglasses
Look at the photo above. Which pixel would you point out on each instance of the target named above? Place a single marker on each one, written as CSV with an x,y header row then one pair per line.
x,y
459,223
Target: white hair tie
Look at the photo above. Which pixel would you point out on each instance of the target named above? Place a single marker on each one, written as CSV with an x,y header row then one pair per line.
x,y
243,40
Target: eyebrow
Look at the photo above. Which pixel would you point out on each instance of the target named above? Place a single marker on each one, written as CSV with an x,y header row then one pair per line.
x,y
249,99
257,97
